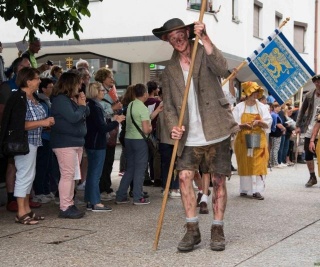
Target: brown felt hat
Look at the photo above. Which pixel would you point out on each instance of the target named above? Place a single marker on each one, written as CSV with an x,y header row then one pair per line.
x,y
172,25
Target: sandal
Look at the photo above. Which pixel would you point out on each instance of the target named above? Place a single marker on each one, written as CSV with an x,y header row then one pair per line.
x,y
26,219
32,215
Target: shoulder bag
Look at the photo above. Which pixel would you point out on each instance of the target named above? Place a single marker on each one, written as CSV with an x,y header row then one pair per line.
x,y
152,148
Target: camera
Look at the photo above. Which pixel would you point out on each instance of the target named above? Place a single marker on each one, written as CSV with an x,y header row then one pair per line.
x,y
50,63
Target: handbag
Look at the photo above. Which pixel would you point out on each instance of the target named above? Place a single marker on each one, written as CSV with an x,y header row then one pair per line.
x,y
152,148
112,137
16,143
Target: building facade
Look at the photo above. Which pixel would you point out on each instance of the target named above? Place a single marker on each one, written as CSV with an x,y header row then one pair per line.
x,y
119,34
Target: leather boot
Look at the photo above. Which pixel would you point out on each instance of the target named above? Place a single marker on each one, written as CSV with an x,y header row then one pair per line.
x,y
312,181
217,238
191,238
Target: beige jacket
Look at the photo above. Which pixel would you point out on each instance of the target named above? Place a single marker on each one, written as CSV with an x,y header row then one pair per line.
x,y
216,116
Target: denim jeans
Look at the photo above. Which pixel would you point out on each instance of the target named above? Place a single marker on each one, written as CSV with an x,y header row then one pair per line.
x,y
165,151
137,159
96,159
285,149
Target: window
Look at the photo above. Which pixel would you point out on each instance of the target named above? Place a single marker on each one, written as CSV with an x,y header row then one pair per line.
x,y
196,5
278,19
257,7
299,36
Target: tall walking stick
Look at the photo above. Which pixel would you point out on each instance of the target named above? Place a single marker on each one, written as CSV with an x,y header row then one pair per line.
x,y
176,143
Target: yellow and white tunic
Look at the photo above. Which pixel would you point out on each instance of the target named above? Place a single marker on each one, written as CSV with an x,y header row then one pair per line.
x,y
252,167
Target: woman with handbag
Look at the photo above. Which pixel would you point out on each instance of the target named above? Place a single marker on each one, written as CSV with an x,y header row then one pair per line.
x,y
23,120
95,145
253,118
137,123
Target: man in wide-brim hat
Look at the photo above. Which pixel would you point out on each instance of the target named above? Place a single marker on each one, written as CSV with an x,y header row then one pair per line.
x,y
207,122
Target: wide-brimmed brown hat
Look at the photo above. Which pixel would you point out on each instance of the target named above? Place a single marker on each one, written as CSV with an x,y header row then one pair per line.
x,y
317,77
172,25
249,88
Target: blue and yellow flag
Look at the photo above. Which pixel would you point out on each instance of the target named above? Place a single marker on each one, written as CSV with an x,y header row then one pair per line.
x,y
279,67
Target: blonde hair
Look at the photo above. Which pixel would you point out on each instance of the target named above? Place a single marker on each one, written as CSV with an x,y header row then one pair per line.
x,y
93,90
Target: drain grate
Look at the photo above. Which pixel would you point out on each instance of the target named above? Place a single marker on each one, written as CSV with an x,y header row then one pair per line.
x,y
50,235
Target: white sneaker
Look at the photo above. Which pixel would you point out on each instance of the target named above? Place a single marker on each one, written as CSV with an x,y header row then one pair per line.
x,y
278,166
174,194
41,199
283,165
50,196
108,196
81,187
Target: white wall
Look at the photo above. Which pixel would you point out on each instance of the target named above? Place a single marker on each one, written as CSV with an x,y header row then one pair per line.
x,y
138,17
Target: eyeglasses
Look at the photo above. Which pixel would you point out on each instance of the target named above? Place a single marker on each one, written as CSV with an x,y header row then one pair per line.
x,y
179,36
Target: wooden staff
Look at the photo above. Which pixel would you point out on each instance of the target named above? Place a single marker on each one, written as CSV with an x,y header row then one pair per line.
x,y
234,72
176,143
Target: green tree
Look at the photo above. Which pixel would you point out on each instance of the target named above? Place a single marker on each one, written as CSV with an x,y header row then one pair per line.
x,y
53,16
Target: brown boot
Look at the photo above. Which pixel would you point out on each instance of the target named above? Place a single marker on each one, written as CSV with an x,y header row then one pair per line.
x,y
203,208
191,238
217,238
312,181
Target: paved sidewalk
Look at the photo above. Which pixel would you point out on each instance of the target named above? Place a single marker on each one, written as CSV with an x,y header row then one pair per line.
x,y
282,230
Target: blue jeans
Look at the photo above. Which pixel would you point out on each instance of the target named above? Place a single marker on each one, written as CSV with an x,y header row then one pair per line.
x,y
285,149
137,160
95,165
165,151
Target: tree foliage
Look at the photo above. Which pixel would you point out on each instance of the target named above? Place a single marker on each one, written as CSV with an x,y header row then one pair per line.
x,y
53,16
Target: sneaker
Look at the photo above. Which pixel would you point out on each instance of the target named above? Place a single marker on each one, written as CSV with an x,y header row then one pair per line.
x,y
142,201
50,196
312,181
257,196
12,206
124,201
57,200
41,199
97,208
148,183
283,165
89,206
175,194
82,186
278,166
107,196
34,205
71,213
121,173
145,194
203,208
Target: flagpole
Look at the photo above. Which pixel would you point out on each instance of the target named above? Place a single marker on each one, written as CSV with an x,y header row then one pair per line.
x,y
236,70
176,143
